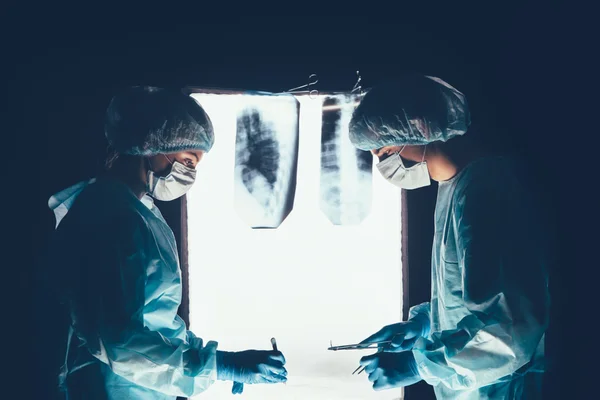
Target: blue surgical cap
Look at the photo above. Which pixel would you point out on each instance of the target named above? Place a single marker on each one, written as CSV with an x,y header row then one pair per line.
x,y
414,110
145,120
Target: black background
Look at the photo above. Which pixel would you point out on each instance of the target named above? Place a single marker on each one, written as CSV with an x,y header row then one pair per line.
x,y
517,65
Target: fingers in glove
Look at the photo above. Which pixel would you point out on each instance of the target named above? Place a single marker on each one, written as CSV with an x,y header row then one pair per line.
x,y
280,378
408,344
397,341
272,378
380,384
370,363
237,388
378,336
277,356
375,375
276,370
369,359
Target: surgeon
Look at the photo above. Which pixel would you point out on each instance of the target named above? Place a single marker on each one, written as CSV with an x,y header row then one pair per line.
x,y
481,336
115,263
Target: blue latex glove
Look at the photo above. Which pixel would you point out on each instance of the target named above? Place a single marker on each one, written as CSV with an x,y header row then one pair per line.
x,y
391,370
403,334
251,367
237,388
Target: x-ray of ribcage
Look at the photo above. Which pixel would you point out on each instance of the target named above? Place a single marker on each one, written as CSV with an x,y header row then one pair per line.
x,y
346,172
266,159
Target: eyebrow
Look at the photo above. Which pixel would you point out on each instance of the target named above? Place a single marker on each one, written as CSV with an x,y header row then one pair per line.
x,y
196,155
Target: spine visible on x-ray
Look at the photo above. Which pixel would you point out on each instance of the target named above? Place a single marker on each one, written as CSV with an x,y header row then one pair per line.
x,y
346,172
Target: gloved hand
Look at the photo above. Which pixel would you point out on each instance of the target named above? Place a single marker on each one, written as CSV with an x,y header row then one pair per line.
x,y
251,366
237,388
390,370
403,334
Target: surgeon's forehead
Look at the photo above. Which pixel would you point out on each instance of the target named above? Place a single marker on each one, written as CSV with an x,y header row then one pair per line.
x,y
194,154
390,147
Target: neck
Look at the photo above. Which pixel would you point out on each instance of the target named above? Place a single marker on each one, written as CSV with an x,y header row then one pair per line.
x,y
446,159
441,168
131,171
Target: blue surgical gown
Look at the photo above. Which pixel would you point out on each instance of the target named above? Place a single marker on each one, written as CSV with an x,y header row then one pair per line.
x,y
115,263
489,291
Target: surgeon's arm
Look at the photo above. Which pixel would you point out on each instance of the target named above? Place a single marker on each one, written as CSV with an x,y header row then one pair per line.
x,y
421,312
504,291
176,368
170,360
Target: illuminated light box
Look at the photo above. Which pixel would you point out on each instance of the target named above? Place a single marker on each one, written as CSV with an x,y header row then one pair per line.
x,y
305,283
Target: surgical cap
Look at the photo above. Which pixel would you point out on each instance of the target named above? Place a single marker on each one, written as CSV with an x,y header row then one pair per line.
x,y
414,110
146,120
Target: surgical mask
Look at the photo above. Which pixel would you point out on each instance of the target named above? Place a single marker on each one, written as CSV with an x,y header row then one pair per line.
x,y
172,186
394,171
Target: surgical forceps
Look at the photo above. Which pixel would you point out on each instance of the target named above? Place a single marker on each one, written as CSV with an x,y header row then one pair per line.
x,y
362,346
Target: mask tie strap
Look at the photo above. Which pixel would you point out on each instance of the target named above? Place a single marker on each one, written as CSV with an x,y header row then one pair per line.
x,y
424,151
149,175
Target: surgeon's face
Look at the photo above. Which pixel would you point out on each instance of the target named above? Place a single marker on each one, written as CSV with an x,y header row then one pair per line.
x,y
161,165
410,154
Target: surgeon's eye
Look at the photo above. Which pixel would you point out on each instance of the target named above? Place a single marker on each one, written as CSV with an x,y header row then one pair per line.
x,y
189,163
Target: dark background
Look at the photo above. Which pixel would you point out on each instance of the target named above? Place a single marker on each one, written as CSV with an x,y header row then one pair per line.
x,y
517,65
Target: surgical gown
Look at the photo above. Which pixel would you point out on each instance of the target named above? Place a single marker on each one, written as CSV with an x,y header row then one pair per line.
x,y
489,292
115,263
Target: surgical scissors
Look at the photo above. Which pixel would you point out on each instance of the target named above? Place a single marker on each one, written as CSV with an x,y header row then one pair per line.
x,y
360,346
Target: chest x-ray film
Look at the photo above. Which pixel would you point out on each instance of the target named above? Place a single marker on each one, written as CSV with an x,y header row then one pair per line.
x,y
346,172
266,159
305,283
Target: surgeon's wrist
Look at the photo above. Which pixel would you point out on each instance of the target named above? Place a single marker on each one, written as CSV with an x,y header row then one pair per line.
x,y
225,365
422,320
413,366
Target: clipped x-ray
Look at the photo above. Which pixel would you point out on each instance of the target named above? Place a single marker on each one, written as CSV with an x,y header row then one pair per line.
x,y
346,172
266,158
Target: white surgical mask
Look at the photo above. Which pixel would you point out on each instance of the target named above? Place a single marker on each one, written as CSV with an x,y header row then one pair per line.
x,y
172,186
394,171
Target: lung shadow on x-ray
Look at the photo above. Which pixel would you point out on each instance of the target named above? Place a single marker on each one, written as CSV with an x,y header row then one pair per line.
x,y
267,161
257,150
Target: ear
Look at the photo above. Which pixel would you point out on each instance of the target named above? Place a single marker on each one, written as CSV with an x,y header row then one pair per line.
x,y
434,148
